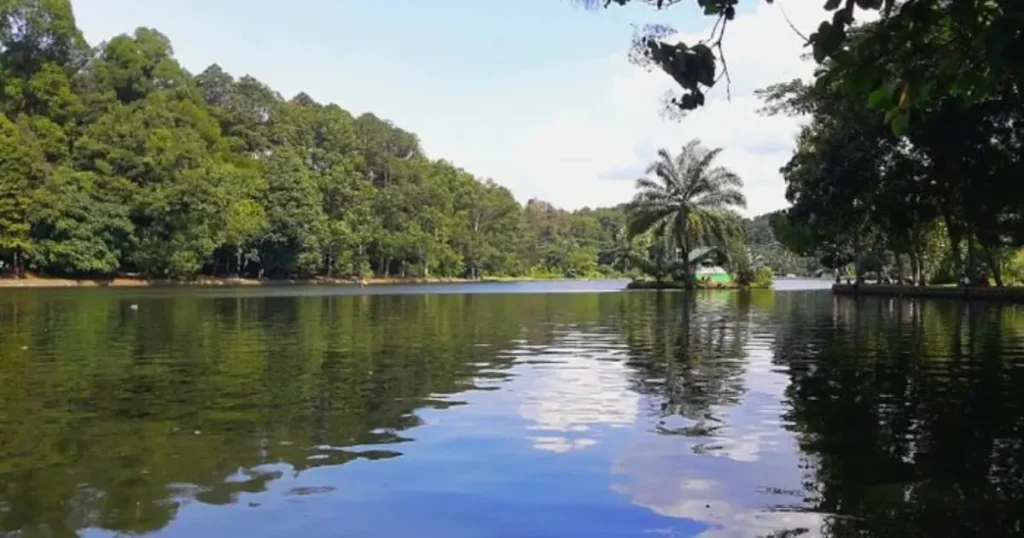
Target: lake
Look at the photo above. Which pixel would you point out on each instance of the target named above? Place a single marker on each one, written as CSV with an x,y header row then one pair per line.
x,y
507,410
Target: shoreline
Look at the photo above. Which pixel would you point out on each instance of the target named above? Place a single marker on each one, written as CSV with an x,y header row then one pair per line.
x,y
1008,294
673,285
129,282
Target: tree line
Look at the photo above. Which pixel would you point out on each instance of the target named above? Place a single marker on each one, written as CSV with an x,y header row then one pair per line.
x,y
115,159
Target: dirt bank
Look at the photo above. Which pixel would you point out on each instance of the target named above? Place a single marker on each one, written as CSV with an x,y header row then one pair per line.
x,y
127,282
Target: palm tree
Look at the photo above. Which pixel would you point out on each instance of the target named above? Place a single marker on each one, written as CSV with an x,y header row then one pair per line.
x,y
688,200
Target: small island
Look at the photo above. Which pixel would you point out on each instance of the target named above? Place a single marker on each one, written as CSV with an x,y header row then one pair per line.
x,y
684,229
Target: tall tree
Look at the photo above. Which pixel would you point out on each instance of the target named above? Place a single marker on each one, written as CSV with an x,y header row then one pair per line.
x,y
688,200
21,172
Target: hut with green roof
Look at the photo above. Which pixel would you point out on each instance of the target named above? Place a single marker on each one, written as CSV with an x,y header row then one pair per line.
x,y
708,265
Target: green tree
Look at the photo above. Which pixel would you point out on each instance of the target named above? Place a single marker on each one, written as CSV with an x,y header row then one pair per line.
x,y
295,213
862,194
688,200
34,33
80,224
21,173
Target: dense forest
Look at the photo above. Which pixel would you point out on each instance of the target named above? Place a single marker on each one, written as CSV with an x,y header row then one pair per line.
x,y
116,160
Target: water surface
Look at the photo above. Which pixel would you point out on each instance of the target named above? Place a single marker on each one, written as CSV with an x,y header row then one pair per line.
x,y
507,410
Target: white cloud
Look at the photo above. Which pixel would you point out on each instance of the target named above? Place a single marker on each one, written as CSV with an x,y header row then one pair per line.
x,y
585,158
568,405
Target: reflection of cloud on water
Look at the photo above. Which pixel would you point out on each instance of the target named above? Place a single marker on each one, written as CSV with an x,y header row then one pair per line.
x,y
721,469
702,500
561,444
579,385
735,521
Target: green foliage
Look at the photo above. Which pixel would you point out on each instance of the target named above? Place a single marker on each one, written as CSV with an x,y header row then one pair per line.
x,y
79,225
582,262
762,278
764,245
20,173
117,160
924,206
1014,272
688,203
748,268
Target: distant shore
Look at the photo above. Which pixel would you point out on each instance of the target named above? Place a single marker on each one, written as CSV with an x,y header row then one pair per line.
x,y
135,282
1010,294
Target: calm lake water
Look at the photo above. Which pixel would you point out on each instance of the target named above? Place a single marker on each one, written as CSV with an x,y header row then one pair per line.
x,y
507,410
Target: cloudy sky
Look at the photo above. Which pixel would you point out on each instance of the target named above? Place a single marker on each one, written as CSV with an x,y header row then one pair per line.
x,y
536,94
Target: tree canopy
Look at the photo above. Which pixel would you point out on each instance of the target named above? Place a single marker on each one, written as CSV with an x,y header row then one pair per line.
x,y
943,199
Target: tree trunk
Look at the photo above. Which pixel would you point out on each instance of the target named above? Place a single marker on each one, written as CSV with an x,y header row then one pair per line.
x,y
954,241
919,271
970,250
856,258
17,264
922,264
915,264
993,265
899,266
914,253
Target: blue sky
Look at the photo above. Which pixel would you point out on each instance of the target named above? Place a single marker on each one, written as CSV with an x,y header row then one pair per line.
x,y
537,94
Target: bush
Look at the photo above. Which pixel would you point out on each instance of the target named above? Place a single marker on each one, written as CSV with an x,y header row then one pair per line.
x,y
1013,270
743,276
762,278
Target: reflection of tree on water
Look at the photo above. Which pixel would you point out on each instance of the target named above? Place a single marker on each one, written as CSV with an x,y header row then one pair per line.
x,y
719,451
111,418
687,354
912,415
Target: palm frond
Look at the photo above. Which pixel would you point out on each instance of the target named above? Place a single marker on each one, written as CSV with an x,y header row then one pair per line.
x,y
723,199
644,218
686,200
724,177
666,170
707,157
645,184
